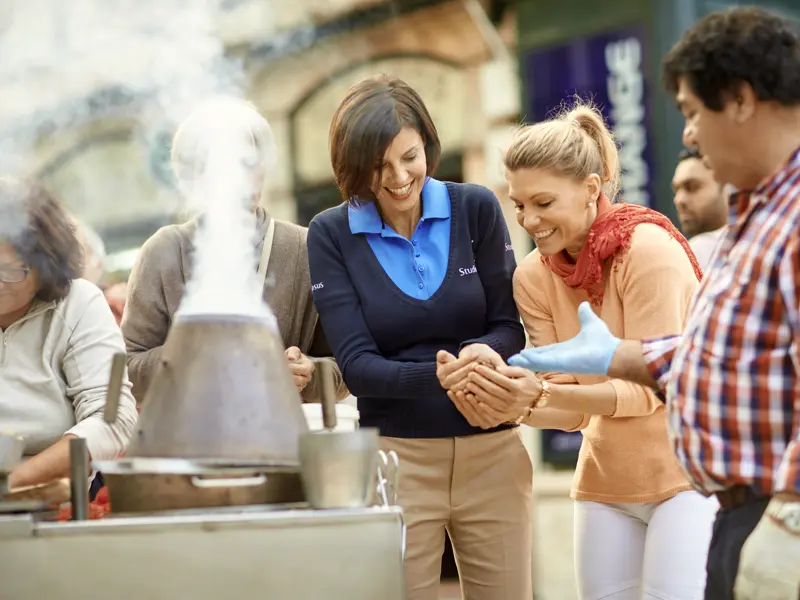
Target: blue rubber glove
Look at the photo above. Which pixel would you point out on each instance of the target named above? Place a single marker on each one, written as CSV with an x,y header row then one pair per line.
x,y
588,353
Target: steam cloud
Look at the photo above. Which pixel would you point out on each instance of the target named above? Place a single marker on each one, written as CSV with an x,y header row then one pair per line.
x,y
225,148
13,217
151,61
145,62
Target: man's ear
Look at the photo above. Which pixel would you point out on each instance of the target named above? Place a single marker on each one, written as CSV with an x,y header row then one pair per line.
x,y
741,103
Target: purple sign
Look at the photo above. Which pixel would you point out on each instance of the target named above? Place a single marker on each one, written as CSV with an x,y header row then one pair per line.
x,y
611,69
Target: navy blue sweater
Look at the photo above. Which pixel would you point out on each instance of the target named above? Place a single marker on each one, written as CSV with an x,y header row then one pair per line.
x,y
386,341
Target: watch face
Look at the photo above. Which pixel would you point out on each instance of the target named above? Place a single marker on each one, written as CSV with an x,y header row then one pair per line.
x,y
792,520
788,514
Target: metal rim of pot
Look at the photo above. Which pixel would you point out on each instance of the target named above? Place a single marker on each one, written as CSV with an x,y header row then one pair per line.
x,y
147,484
179,466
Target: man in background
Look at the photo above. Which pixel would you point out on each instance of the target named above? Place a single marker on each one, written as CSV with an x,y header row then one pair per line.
x,y
94,252
701,204
94,256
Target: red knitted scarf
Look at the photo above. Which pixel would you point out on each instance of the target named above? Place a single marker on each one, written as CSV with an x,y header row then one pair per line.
x,y
610,237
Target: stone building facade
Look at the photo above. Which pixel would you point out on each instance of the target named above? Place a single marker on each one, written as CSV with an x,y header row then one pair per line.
x,y
93,110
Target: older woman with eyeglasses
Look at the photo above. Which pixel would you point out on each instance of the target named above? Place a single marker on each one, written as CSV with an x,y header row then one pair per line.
x,y
57,341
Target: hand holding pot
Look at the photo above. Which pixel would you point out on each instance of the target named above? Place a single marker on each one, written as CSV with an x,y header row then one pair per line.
x,y
301,366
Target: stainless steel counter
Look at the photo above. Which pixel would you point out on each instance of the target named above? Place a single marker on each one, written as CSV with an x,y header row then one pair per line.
x,y
237,554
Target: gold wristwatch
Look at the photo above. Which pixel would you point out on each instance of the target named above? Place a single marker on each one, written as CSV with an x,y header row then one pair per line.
x,y
540,402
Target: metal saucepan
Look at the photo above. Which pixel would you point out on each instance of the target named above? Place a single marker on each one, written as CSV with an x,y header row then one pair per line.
x,y
339,468
114,387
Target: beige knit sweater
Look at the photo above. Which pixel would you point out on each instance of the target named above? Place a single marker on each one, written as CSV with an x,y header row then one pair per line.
x,y
54,366
156,286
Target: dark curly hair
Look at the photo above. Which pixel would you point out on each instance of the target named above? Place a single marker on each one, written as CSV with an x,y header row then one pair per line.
x,y
42,234
738,45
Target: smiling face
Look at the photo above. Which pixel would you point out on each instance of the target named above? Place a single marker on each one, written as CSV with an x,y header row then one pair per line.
x,y
556,211
401,174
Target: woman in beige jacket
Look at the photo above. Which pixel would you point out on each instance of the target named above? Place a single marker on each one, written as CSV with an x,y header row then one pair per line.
x,y
157,282
57,341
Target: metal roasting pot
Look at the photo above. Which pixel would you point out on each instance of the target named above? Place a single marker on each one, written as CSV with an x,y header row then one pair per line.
x,y
223,392
219,425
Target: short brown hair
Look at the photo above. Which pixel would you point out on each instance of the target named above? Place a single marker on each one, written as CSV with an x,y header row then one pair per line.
x,y
42,234
575,143
372,113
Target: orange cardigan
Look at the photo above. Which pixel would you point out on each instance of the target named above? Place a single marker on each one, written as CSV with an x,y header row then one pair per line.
x,y
626,457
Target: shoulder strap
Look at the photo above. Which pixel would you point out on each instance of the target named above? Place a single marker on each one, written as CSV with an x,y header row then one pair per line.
x,y
266,252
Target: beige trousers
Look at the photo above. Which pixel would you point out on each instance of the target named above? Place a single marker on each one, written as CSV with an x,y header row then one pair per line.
x,y
477,488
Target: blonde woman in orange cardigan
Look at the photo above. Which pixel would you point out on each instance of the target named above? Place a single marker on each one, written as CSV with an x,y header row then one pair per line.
x,y
640,529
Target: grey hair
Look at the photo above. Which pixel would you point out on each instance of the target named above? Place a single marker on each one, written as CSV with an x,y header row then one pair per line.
x,y
196,134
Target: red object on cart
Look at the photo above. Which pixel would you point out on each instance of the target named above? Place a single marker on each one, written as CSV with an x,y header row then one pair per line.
x,y
98,508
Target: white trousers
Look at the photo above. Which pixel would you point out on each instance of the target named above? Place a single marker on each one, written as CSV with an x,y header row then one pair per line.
x,y
643,551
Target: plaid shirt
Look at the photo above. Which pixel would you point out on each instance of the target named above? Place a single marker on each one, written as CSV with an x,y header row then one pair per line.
x,y
731,380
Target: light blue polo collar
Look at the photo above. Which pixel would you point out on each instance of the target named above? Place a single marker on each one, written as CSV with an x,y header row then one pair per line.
x,y
435,205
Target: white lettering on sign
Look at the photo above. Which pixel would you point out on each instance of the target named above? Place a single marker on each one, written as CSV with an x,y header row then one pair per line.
x,y
626,95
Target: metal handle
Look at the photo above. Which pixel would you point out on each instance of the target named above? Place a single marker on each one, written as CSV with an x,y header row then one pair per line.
x,y
389,468
114,387
383,494
229,482
388,477
79,478
327,392
395,474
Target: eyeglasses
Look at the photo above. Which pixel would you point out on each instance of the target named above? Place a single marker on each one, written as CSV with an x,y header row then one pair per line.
x,y
15,275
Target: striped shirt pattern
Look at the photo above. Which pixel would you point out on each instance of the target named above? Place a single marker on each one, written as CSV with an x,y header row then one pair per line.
x,y
731,380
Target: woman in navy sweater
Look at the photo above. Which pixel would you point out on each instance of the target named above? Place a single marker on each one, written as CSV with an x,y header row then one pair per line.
x,y
406,268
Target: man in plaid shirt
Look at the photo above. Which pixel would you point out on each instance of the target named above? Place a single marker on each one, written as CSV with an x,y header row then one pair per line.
x,y
732,380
